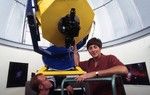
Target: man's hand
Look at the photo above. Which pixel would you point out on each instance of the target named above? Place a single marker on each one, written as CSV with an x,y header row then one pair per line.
x,y
70,90
85,76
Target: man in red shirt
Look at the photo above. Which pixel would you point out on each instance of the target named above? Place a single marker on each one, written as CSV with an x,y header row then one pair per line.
x,y
99,65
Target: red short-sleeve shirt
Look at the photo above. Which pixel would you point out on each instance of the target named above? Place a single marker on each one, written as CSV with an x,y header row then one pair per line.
x,y
104,62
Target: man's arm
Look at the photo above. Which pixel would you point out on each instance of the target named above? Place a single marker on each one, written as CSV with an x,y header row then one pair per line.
x,y
102,73
113,70
76,56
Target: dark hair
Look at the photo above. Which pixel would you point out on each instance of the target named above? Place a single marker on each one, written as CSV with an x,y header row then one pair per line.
x,y
94,41
35,82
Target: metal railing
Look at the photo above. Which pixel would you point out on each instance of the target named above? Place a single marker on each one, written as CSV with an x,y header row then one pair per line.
x,y
111,78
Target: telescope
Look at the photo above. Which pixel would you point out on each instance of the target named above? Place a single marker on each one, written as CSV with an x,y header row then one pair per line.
x,y
63,23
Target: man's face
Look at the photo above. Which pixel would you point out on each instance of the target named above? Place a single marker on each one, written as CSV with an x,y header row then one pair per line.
x,y
44,82
94,50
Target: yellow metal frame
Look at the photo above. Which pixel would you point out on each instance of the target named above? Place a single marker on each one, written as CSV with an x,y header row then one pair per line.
x,y
46,72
